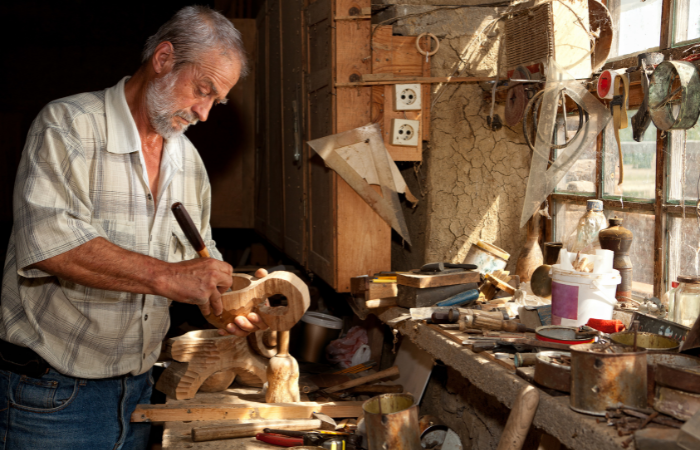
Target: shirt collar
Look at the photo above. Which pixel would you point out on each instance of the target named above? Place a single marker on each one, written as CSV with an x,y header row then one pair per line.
x,y
122,134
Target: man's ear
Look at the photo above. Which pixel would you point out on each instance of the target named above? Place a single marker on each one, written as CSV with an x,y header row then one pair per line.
x,y
163,58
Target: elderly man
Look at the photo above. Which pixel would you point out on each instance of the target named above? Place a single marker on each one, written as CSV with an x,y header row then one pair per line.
x,y
96,256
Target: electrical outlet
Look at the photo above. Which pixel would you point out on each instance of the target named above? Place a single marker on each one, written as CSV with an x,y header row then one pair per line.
x,y
404,132
407,97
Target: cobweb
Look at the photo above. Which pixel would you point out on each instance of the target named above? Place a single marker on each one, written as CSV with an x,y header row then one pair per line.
x,y
542,181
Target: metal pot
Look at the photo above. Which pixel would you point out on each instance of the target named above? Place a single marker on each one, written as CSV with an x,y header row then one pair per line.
x,y
650,341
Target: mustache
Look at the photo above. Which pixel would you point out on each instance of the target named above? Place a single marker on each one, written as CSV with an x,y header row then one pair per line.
x,y
191,118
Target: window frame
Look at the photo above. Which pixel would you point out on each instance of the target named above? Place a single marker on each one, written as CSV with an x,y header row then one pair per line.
x,y
660,206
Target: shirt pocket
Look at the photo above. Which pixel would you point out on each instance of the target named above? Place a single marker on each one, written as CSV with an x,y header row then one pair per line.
x,y
180,247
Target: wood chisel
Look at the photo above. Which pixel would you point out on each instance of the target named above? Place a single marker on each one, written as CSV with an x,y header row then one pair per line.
x,y
190,230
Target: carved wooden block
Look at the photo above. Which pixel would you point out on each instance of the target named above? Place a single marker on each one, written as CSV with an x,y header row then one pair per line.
x,y
201,354
249,295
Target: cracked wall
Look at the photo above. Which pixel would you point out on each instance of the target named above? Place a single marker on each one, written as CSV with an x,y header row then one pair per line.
x,y
473,180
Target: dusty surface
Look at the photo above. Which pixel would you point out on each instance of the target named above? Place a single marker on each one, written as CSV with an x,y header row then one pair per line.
x,y
488,388
475,179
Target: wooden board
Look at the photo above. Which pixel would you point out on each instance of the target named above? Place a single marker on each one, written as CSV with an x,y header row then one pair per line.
x,y
275,182
397,55
319,119
292,130
446,279
262,127
245,410
232,168
363,238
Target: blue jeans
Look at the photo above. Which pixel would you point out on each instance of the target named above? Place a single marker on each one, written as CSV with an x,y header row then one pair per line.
x,y
57,412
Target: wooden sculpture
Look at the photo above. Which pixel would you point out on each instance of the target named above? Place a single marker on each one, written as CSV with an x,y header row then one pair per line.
x,y
249,295
199,355
283,374
264,343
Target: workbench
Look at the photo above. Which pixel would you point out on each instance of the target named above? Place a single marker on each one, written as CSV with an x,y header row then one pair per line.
x,y
177,435
574,430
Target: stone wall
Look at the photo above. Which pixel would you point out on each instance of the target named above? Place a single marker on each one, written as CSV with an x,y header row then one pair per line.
x,y
472,180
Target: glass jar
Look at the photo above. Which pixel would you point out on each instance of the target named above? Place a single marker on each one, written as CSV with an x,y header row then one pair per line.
x,y
686,301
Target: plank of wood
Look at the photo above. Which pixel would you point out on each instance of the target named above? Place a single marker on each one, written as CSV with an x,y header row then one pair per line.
x,y
419,80
377,77
238,430
675,403
381,303
302,410
382,290
439,279
388,373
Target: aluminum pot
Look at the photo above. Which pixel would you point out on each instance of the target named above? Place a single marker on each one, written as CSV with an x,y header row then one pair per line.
x,y
391,421
604,375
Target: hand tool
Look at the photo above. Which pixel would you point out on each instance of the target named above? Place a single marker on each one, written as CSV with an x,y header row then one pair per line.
x,y
282,374
460,299
416,297
388,373
490,323
520,419
190,230
441,266
445,316
278,439
238,430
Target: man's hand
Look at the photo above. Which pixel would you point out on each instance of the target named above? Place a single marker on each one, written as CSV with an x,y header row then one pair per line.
x,y
251,323
200,282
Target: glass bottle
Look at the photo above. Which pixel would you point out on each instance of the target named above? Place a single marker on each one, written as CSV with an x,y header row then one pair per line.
x,y
686,301
668,299
585,238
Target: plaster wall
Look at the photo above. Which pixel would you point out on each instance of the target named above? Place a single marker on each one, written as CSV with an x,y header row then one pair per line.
x,y
472,180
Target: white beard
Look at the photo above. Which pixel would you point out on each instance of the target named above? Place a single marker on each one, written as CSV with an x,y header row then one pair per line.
x,y
160,101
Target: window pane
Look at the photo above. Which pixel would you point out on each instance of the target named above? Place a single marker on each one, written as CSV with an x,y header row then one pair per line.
x,y
638,25
687,20
692,164
642,252
639,160
684,245
642,227
581,177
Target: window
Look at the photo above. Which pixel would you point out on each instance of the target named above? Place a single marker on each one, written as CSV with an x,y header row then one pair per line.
x,y
659,199
686,25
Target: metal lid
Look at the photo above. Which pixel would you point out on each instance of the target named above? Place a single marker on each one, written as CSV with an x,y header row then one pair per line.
x,y
594,205
688,279
615,221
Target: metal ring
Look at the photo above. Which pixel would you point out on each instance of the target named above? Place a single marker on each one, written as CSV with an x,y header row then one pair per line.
x,y
427,52
660,86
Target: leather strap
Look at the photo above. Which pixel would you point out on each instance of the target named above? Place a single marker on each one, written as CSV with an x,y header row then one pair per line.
x,y
618,107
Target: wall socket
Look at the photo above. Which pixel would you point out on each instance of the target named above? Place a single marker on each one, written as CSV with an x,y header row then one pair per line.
x,y
404,132
407,97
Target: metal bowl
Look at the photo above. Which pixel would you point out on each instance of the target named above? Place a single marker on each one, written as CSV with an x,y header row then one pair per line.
x,y
561,335
551,374
650,341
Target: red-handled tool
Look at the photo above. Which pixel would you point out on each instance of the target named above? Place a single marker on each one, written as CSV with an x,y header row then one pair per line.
x,y
278,439
191,232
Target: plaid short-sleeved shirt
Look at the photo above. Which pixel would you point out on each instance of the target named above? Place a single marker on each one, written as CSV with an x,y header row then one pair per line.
x,y
82,176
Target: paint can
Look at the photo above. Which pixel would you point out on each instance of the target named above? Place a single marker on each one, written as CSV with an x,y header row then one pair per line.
x,y
487,257
319,331
604,375
391,421
579,296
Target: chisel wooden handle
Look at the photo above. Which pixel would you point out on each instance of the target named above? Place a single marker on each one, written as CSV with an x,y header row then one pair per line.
x,y
390,372
190,230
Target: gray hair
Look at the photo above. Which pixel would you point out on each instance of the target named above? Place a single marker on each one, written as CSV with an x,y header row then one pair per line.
x,y
193,31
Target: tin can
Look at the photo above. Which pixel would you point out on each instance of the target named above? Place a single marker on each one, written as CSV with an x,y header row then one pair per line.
x,y
604,375
392,422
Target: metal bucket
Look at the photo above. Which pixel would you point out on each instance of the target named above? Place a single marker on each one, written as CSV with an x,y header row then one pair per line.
x,y
650,341
600,380
392,422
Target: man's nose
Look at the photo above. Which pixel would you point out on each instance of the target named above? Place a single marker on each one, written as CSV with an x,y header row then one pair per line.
x,y
202,110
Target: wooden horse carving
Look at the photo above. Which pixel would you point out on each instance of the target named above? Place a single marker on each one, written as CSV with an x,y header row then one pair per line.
x,y
249,295
204,356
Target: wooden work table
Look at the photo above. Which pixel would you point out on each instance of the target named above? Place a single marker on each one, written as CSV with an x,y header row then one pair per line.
x,y
177,435
574,430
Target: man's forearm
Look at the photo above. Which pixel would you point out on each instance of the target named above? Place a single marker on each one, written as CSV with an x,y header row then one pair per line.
x,y
103,265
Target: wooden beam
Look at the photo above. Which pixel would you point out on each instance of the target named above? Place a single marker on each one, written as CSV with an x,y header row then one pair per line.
x,y
422,80
242,411
660,217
